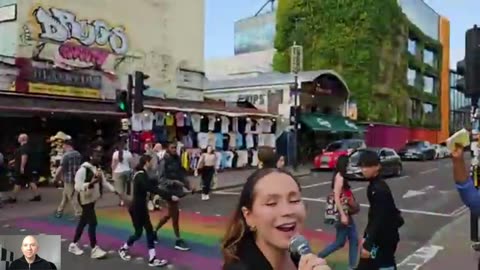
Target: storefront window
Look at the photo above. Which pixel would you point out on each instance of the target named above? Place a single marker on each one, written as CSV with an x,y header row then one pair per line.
x,y
429,57
411,75
412,46
428,84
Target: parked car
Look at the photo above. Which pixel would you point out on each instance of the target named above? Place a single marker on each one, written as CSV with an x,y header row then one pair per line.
x,y
389,159
417,150
441,151
329,156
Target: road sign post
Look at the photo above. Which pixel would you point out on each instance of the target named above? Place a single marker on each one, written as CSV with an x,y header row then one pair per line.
x,y
296,65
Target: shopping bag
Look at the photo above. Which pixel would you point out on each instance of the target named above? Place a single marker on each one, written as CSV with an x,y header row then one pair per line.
x,y
214,181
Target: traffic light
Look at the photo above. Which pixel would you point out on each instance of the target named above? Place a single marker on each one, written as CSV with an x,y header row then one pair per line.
x,y
140,87
471,65
121,97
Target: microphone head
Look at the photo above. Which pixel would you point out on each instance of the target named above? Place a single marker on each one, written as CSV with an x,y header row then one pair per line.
x,y
299,246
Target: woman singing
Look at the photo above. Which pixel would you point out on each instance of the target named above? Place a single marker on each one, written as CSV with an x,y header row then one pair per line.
x,y
138,211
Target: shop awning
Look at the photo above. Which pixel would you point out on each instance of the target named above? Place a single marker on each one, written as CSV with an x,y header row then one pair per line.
x,y
206,107
331,123
14,102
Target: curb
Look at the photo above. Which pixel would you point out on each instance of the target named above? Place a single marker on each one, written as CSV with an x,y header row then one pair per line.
x,y
241,184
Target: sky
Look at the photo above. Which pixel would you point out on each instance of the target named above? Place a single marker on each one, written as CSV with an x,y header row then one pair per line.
x,y
221,15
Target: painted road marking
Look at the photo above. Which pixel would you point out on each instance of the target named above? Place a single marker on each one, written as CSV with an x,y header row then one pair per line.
x,y
411,211
429,171
457,212
358,189
317,184
414,193
419,257
321,200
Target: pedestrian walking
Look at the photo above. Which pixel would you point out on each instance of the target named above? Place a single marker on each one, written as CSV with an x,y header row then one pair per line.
x,y
345,227
89,183
174,180
138,211
122,161
384,219
23,170
69,165
206,166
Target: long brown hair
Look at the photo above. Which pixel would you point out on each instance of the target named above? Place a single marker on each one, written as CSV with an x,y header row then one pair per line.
x,y
237,232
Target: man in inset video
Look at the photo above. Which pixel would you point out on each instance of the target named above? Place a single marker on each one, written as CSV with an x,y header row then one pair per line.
x,y
30,260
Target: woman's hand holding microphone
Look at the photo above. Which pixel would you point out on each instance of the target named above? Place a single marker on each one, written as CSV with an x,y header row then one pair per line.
x,y
312,262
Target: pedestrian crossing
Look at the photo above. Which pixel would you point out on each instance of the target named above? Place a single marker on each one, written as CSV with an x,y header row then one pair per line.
x,y
202,233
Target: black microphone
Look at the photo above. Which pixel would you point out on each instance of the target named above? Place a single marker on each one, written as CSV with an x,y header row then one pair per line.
x,y
299,246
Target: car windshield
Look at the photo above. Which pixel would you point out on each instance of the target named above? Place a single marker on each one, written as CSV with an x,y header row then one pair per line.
x,y
336,146
355,157
413,144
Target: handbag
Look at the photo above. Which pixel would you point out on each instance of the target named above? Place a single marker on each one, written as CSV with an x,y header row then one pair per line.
x,y
332,215
353,205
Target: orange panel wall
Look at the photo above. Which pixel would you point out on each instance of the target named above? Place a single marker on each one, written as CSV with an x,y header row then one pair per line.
x,y
423,134
444,80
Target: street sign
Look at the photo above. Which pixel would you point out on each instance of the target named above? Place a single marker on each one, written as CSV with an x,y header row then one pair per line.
x,y
296,58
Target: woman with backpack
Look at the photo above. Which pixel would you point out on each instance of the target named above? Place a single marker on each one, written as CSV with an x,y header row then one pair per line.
x,y
345,225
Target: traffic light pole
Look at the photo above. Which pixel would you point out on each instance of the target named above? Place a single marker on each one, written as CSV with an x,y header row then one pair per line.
x,y
474,169
295,128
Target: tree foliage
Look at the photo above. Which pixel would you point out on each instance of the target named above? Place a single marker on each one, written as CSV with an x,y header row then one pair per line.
x,y
365,41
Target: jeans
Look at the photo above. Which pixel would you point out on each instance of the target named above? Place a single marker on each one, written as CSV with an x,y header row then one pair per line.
x,y
140,221
89,218
344,232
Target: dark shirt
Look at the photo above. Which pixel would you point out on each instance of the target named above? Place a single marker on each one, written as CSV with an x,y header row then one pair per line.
x,y
142,185
173,169
251,258
384,218
71,162
22,150
38,264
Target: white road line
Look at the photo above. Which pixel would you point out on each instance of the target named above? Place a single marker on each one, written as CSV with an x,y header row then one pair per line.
x,y
400,177
358,189
420,257
226,193
420,212
317,184
459,211
429,171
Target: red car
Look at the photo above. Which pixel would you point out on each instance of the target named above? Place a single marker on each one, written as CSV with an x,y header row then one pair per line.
x,y
329,156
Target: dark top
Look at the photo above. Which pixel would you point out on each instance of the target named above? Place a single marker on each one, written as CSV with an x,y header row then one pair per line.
x,y
251,258
173,169
384,218
38,264
22,150
142,185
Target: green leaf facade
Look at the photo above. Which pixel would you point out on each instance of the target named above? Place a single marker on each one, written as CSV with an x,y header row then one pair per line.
x,y
365,41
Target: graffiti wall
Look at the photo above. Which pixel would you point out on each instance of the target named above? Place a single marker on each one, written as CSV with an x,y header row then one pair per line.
x,y
92,45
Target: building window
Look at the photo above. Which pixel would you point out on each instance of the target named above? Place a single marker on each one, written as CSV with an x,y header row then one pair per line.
x,y
415,109
412,46
428,84
429,57
411,76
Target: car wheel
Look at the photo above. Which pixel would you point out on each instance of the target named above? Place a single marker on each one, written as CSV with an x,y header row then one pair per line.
x,y
399,170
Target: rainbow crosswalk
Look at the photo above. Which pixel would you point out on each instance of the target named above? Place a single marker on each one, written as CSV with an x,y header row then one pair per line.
x,y
202,233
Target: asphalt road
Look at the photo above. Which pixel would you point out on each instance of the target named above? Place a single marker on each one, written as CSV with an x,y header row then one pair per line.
x,y
425,194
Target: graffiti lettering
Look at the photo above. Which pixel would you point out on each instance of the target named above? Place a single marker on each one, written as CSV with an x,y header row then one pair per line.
x,y
93,56
60,26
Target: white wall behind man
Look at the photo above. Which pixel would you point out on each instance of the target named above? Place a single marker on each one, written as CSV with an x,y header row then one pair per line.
x,y
49,246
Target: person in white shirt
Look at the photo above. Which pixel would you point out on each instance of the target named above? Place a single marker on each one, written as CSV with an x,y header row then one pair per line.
x,y
122,170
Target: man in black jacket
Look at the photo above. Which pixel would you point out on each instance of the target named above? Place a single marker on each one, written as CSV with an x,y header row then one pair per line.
x,y
384,219
30,260
172,177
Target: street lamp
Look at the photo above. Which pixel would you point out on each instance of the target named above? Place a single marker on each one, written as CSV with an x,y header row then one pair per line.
x,y
296,65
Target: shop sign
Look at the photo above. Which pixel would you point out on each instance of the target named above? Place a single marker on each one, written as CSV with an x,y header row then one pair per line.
x,y
59,90
256,99
63,78
322,122
350,124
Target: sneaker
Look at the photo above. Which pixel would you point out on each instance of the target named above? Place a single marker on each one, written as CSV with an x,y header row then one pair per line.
x,y
181,245
12,200
150,206
73,248
123,252
154,262
58,214
36,198
207,197
204,197
98,253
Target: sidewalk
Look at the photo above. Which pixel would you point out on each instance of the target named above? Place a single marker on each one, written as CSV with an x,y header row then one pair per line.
x,y
455,241
236,178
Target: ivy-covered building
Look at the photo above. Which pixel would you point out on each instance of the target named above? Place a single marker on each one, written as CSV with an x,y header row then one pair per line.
x,y
393,54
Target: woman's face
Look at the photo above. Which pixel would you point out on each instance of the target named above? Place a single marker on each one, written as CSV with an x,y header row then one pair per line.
x,y
209,149
278,212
